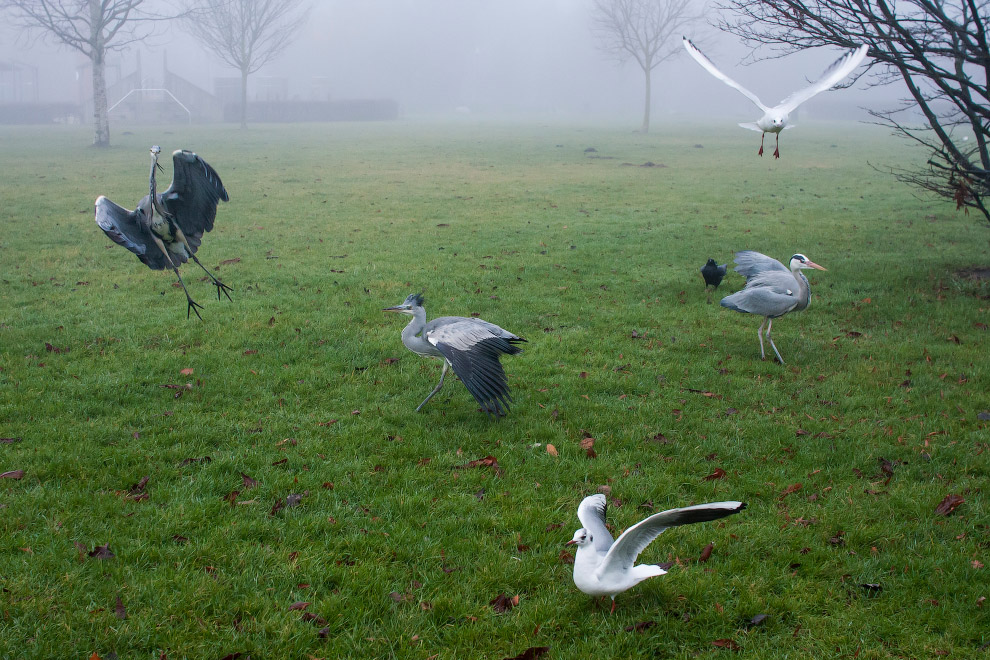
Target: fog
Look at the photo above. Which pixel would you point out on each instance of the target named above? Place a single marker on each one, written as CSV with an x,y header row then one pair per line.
x,y
473,58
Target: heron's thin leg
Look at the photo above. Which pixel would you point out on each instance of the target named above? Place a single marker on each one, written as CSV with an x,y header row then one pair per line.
x,y
772,344
216,282
776,151
762,135
759,335
192,304
437,388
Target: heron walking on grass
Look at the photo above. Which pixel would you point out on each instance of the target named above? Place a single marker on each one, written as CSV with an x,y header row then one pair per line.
x,y
771,290
470,346
166,229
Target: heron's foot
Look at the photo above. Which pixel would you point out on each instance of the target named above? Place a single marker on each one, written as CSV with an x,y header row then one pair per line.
x,y
193,305
224,288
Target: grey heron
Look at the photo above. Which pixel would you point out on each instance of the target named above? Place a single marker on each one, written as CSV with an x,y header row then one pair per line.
x,y
470,346
166,229
771,290
776,119
603,567
713,274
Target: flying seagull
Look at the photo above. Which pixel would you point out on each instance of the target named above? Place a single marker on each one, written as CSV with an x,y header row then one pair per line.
x,y
775,119
470,346
603,567
166,229
771,290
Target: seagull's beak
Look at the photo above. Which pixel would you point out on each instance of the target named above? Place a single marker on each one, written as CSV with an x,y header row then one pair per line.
x,y
812,264
571,542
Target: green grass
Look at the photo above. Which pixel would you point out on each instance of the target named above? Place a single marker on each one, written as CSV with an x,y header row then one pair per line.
x,y
517,223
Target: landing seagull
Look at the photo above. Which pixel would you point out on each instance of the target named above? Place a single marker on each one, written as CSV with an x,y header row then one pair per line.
x,y
775,119
605,568
470,346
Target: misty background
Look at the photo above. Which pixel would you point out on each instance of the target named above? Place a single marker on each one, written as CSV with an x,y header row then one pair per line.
x,y
512,59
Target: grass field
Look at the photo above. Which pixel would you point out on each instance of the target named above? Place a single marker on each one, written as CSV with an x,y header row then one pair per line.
x,y
301,386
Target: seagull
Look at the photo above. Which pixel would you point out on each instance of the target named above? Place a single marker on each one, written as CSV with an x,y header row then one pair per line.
x,y
605,568
775,119
713,274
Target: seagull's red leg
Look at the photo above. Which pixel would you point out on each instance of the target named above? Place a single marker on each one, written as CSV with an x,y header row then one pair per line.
x,y
776,152
612,611
762,135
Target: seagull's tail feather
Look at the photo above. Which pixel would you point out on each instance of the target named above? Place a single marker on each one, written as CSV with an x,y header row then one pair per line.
x,y
751,126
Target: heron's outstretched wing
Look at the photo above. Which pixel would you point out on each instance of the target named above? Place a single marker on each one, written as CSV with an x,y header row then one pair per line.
x,y
193,196
832,76
622,555
701,59
473,348
591,513
124,227
750,263
770,293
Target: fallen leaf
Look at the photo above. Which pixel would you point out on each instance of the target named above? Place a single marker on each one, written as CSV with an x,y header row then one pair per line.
x,y
565,557
102,552
980,601
13,474
726,644
793,488
872,587
119,609
299,605
487,461
399,598
757,620
837,539
248,481
706,553
551,449
719,473
188,371
642,626
976,563
9,441
188,461
227,262
502,603
532,653
949,504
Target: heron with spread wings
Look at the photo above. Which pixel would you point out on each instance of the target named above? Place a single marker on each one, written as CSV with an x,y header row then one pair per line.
x,y
166,229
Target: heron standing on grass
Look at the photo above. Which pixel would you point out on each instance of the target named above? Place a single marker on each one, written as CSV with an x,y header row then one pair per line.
x,y
771,290
166,229
470,346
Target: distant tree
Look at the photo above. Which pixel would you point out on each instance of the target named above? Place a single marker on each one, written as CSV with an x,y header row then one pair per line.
x,y
246,34
937,48
92,27
648,31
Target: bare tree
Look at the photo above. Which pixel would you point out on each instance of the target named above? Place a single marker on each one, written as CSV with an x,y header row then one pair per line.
x,y
938,48
246,34
647,31
92,27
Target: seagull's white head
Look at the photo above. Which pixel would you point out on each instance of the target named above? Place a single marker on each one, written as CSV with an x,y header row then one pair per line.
x,y
581,538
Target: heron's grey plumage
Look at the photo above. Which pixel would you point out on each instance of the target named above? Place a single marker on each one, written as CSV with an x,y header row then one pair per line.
x,y
603,567
166,229
771,290
471,347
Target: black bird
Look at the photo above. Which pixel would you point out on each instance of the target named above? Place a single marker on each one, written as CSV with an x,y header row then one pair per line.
x,y
165,229
713,274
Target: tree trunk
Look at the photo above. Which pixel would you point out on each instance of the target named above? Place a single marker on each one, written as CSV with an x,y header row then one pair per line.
x,y
244,77
645,128
97,56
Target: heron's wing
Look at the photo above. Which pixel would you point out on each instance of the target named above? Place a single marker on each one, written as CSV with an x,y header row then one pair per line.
x,y
770,294
124,227
750,263
193,196
832,76
591,513
473,348
622,555
710,67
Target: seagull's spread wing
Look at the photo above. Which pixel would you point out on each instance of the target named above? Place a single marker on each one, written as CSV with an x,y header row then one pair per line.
x,y
701,59
622,555
193,196
591,513
750,263
124,228
473,348
832,76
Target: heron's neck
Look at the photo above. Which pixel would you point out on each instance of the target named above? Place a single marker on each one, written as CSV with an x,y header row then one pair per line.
x,y
152,185
804,292
410,333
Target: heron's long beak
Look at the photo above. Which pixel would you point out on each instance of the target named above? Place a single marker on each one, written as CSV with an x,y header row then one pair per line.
x,y
159,166
808,262
397,308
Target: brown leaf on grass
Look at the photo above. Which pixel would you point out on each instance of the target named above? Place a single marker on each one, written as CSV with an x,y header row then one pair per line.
x,y
532,653
281,461
330,423
119,610
980,601
726,644
565,557
837,540
9,441
188,371
487,461
227,262
793,488
138,488
719,473
756,621
178,538
706,553
480,495
659,438
642,626
551,449
588,445
872,587
233,656
248,481
83,550
949,504
400,598
390,360
299,605
102,552
189,461
502,603
231,497
55,349
13,474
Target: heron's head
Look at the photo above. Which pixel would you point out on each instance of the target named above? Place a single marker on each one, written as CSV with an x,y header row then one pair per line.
x,y
799,261
581,538
155,150
407,306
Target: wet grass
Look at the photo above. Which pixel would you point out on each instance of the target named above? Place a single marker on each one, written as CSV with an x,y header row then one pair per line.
x,y
302,384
